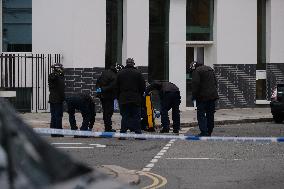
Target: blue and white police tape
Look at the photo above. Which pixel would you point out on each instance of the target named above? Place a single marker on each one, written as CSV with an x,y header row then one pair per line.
x,y
68,132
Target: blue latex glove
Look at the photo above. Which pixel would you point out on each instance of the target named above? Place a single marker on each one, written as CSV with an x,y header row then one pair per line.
x,y
98,90
157,114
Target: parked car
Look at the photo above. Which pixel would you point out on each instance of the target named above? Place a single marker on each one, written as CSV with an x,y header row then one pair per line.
x,y
277,103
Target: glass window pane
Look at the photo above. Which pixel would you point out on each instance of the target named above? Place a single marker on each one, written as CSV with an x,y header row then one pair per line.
x,y
199,20
17,25
158,40
261,32
189,59
114,11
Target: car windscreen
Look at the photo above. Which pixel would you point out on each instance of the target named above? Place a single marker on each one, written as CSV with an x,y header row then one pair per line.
x,y
280,88
280,92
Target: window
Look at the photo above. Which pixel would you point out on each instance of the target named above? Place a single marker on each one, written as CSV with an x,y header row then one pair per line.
x,y
261,49
17,25
159,40
261,33
114,23
199,20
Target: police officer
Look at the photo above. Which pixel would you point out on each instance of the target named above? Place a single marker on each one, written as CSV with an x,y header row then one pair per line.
x,y
56,96
169,99
86,105
204,91
130,89
105,89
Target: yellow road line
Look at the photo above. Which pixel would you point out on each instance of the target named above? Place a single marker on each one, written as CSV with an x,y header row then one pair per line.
x,y
158,181
163,180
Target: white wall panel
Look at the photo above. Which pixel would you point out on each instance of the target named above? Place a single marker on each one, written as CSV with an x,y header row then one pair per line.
x,y
135,31
74,28
276,29
236,31
177,46
1,24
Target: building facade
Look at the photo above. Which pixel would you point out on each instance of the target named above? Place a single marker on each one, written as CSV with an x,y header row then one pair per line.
x,y
242,40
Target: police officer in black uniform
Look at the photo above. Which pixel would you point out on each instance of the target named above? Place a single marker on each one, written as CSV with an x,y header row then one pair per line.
x,y
130,89
56,96
204,91
105,89
86,105
169,99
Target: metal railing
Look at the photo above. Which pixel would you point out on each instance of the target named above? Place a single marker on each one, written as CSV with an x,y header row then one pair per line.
x,y
27,74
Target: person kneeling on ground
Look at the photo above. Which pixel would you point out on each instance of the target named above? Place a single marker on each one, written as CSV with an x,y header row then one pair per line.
x,y
86,105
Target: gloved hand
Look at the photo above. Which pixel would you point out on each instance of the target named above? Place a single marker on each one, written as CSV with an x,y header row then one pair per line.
x,y
157,113
98,90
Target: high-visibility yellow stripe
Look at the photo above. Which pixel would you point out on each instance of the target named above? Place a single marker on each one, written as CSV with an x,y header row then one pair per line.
x,y
149,112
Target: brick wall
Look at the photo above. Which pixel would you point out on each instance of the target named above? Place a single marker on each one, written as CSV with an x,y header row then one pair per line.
x,y
275,74
236,85
83,80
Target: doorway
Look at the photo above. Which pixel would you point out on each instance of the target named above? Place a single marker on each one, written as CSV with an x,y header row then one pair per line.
x,y
192,54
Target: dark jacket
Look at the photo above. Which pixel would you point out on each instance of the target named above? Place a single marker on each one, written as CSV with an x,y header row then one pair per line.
x,y
163,87
130,86
56,87
204,84
85,104
82,102
107,82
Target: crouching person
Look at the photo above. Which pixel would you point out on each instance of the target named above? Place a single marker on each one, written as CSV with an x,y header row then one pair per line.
x,y
86,105
169,99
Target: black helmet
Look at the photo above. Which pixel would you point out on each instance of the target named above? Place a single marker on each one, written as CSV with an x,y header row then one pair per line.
x,y
193,65
58,68
130,61
57,65
118,67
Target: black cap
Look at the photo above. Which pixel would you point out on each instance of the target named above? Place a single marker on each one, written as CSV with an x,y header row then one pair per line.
x,y
57,65
130,61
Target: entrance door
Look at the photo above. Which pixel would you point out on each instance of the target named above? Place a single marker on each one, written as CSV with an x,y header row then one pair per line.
x,y
192,54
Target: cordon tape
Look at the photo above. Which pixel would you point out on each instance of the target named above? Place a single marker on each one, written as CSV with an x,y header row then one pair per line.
x,y
155,136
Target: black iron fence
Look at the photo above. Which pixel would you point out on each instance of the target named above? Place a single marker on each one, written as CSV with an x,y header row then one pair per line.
x,y
26,74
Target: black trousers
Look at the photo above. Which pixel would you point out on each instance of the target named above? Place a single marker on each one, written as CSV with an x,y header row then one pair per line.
x,y
107,105
56,110
131,117
170,100
75,103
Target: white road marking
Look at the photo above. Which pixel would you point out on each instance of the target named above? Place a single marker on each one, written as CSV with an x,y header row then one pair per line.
x,y
202,159
98,145
101,146
66,143
154,160
74,147
77,143
150,165
159,155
